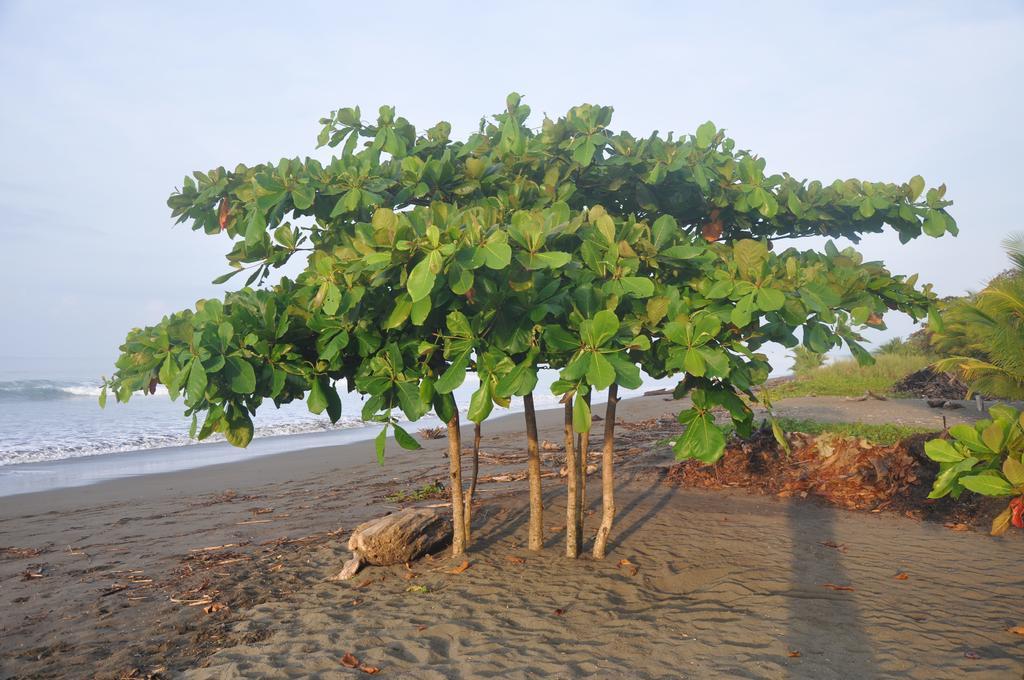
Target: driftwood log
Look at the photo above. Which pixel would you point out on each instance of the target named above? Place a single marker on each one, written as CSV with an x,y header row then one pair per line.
x,y
396,539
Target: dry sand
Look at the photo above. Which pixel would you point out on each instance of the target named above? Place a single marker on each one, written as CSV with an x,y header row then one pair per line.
x,y
718,584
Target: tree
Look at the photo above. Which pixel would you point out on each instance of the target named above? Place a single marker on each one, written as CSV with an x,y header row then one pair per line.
x,y
567,246
984,332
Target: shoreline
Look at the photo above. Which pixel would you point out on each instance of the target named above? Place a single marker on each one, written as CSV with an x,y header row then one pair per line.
x,y
247,469
20,479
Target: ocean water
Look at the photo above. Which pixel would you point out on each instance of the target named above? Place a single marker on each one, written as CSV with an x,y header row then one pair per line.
x,y
49,411
54,434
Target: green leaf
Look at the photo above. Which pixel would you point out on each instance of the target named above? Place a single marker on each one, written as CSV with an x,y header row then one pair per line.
x,y
705,135
239,427
403,307
497,254
988,484
334,345
638,286
970,438
941,451
600,373
1014,471
454,376
743,312
995,435
749,255
405,440
627,374
584,153
241,376
302,196
552,259
519,381
770,299
580,414
196,382
664,230
916,187
577,367
702,440
379,443
331,300
333,403
316,402
693,362
682,252
420,310
935,225
599,330
224,277
421,280
103,397
720,289
481,404
256,228
946,480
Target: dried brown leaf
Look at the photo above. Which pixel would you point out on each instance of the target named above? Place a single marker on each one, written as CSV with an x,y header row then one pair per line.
x,y
214,608
631,568
558,612
841,547
370,670
1016,630
959,526
793,654
349,660
902,576
515,560
833,586
461,568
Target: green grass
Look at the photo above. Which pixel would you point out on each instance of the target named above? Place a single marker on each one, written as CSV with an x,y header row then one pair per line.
x,y
883,435
421,494
877,434
847,378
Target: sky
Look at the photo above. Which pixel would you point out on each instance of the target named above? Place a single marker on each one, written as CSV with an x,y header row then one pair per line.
x,y
108,105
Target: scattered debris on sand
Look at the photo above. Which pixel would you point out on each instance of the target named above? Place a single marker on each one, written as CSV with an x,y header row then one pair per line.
x,y
933,385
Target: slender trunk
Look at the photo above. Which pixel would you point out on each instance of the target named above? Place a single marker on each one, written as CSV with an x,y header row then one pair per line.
x,y
607,476
536,540
582,449
472,484
573,540
455,482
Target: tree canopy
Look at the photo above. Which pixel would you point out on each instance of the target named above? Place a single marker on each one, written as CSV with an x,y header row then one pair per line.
x,y
569,246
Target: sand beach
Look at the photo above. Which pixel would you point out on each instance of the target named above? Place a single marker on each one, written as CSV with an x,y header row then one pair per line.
x,y
221,572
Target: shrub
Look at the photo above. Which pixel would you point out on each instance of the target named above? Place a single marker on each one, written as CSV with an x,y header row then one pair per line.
x,y
984,458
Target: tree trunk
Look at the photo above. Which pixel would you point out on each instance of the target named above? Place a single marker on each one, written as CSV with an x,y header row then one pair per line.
x,y
455,483
536,540
607,476
472,484
573,540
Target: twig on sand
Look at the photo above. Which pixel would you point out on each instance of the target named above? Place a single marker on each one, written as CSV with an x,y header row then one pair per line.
x,y
868,395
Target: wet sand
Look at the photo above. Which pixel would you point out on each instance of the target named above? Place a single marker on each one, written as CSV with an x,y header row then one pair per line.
x,y
718,584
